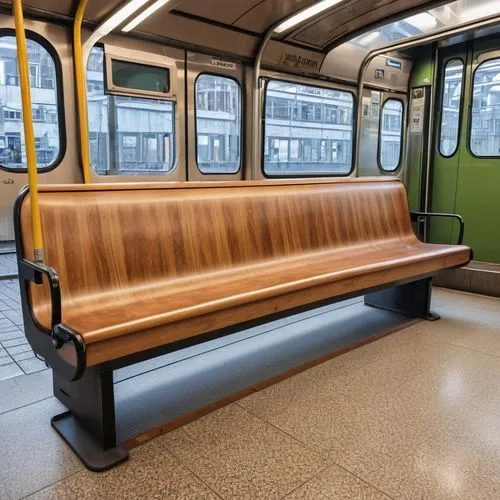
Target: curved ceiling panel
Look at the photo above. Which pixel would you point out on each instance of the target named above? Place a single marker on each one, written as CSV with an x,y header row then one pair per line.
x,y
349,17
268,12
98,10
63,7
221,11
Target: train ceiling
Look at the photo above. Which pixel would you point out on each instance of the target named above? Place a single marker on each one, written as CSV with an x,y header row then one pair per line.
x,y
231,21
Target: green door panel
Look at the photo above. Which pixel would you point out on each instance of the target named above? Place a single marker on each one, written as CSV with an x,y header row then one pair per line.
x,y
445,168
463,183
478,201
443,198
422,72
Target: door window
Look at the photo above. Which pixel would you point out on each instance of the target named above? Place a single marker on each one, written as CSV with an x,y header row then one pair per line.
x,y
391,135
218,124
450,107
485,123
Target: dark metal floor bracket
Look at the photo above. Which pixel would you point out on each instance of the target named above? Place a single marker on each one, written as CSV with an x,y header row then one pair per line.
x,y
86,447
411,299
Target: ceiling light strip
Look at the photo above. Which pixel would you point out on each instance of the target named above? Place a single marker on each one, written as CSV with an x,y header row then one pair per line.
x,y
144,15
306,14
112,22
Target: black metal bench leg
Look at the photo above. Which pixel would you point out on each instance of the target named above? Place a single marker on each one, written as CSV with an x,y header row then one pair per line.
x,y
412,299
89,425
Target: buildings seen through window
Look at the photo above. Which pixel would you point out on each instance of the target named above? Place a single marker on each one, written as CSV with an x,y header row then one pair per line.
x,y
450,106
391,135
44,105
485,124
308,130
218,124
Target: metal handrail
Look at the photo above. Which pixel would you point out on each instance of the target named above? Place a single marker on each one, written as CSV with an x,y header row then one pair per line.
x,y
415,216
81,91
29,135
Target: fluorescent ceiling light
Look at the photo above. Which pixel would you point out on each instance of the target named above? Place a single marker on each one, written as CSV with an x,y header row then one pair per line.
x,y
144,14
115,20
423,21
371,37
483,10
306,14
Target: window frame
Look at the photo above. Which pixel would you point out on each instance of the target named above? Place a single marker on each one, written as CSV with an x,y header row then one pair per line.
x,y
58,78
113,137
263,120
460,111
471,107
401,144
242,121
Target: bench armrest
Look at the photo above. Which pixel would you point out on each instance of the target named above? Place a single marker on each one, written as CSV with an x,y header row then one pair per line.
x,y
34,272
415,216
60,334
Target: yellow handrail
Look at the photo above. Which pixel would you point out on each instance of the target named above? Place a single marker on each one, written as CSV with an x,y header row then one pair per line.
x,y
81,91
29,136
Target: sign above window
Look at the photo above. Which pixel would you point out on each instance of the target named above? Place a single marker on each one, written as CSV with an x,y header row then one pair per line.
x,y
129,77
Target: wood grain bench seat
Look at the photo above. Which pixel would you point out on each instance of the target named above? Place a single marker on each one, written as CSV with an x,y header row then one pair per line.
x,y
144,267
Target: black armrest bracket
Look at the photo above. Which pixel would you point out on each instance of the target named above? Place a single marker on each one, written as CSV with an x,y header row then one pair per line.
x,y
34,272
415,216
66,352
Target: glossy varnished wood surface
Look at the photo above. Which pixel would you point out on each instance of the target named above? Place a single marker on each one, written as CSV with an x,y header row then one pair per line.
x,y
143,267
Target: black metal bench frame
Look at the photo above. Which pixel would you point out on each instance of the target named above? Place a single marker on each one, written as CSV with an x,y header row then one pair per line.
x,y
89,425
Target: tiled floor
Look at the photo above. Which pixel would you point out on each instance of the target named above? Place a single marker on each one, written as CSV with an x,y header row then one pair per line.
x,y
16,356
8,264
413,415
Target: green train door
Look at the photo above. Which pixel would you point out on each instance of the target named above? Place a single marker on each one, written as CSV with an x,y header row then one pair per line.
x,y
466,170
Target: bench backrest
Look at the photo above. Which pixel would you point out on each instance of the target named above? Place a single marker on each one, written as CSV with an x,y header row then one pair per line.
x,y
103,238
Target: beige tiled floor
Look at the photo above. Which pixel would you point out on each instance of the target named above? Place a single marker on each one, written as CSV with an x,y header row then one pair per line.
x,y
414,415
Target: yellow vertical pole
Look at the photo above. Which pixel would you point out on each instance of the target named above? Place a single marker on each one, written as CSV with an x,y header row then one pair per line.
x,y
81,91
29,136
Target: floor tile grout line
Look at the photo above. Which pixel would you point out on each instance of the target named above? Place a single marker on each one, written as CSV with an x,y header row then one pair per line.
x,y
26,405
283,431
364,481
54,483
314,476
187,467
348,472
327,458
467,348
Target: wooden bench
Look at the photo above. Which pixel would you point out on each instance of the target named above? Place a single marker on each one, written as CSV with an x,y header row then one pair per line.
x,y
133,271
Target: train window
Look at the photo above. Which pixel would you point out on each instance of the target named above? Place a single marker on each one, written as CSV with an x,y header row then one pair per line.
x,y
391,135
128,135
450,107
218,124
485,122
308,130
45,106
